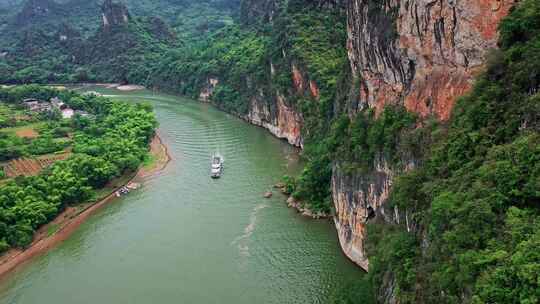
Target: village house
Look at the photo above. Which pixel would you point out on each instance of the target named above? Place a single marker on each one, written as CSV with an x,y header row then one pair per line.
x,y
38,106
66,111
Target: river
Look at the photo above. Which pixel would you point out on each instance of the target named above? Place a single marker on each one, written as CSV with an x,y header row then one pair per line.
x,y
184,238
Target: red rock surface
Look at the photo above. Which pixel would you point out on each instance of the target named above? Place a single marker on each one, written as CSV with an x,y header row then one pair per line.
x,y
437,49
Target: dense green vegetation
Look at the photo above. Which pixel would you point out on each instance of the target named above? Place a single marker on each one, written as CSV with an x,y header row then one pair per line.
x,y
111,142
477,195
233,54
240,57
65,42
122,54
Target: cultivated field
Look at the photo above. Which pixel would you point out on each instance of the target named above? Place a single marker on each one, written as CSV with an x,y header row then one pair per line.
x,y
31,166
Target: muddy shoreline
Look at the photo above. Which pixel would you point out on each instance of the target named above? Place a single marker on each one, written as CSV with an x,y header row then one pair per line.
x,y
70,219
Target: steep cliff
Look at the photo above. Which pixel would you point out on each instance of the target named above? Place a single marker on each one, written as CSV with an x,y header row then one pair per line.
x,y
420,54
114,14
282,120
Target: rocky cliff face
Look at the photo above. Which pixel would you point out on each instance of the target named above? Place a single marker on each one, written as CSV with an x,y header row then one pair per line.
x,y
268,110
359,198
269,107
419,53
114,14
280,119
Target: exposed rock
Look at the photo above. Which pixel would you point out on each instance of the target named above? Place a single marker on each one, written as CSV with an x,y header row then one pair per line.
x,y
280,185
114,14
356,198
304,209
208,89
268,194
420,53
280,119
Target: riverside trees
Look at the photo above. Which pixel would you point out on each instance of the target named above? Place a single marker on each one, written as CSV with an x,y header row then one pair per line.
x,y
114,141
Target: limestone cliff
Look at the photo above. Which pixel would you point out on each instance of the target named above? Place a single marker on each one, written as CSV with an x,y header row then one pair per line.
x,y
359,198
114,14
422,54
268,109
280,119
419,53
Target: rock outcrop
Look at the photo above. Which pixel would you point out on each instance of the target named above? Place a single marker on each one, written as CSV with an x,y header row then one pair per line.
x,y
114,14
359,198
420,53
277,116
208,89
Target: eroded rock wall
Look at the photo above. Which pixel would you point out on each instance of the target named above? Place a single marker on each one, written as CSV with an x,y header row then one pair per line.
x,y
280,119
420,53
114,14
359,198
270,108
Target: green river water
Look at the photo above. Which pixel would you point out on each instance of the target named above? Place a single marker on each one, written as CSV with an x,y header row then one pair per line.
x,y
184,238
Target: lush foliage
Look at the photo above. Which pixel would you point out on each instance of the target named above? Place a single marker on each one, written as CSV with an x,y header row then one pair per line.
x,y
112,141
65,42
232,55
477,196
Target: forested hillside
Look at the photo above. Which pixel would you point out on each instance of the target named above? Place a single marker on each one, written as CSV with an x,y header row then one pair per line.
x,y
418,120
47,41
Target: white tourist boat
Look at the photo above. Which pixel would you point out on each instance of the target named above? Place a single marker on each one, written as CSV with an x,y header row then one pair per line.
x,y
217,166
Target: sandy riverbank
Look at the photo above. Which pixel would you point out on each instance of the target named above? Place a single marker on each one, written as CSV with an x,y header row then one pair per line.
x,y
68,221
117,86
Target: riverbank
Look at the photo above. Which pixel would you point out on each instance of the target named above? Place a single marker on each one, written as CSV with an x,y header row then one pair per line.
x,y
70,219
118,86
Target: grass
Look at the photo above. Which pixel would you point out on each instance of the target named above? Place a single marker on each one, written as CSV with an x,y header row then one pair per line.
x,y
149,161
52,229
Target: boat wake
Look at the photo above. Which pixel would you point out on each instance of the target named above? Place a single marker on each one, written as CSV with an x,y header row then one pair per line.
x,y
242,240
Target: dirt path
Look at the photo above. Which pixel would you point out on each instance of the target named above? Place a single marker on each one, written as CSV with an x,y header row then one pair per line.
x,y
68,221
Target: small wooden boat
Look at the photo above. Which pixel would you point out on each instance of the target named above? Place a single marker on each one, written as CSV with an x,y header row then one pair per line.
x,y
122,191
